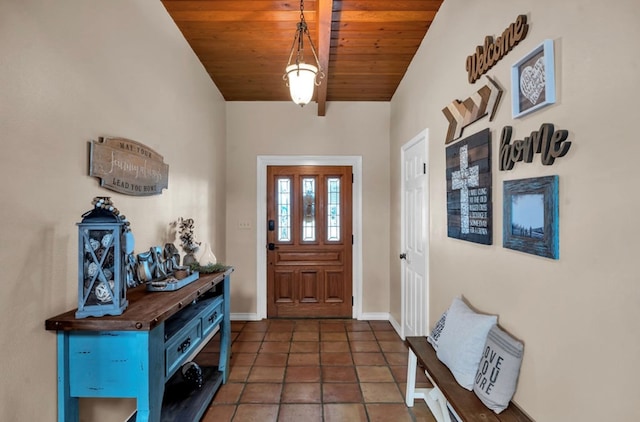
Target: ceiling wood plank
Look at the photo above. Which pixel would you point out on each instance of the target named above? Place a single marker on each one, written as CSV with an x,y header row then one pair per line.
x,y
207,29
399,5
404,34
253,35
325,9
362,56
383,16
366,68
234,5
373,27
376,42
248,17
364,46
376,50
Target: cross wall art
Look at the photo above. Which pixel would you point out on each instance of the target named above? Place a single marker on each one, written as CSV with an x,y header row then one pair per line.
x,y
469,213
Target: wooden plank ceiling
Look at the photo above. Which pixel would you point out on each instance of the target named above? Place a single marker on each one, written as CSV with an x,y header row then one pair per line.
x,y
364,46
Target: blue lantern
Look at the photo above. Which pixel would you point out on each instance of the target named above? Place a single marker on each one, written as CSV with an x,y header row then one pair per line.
x,y
105,243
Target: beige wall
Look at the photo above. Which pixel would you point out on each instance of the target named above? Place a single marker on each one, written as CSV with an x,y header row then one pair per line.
x,y
578,315
354,129
72,71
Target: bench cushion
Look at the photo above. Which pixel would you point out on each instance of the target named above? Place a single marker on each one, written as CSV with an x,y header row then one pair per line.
x,y
498,371
462,341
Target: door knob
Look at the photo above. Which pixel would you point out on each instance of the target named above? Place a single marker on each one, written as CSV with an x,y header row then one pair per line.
x,y
403,256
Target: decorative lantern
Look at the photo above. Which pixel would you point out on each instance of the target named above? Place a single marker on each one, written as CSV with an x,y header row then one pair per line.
x,y
105,243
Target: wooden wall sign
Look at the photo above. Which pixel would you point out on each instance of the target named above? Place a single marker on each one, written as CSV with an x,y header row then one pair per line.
x,y
469,213
491,52
546,141
462,114
128,167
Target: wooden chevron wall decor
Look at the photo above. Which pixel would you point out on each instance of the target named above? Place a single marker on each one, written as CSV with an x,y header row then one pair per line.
x,y
462,114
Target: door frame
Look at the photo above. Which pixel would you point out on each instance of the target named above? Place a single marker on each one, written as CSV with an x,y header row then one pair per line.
x,y
423,137
263,162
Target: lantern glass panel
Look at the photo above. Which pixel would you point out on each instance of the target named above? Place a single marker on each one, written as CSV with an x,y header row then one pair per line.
x,y
101,281
99,262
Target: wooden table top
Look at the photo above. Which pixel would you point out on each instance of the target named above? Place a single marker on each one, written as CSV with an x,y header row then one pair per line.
x,y
145,311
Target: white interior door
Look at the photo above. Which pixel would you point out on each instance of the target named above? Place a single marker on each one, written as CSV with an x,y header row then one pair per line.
x,y
414,239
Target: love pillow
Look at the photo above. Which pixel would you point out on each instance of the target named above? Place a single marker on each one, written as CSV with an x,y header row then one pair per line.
x,y
498,371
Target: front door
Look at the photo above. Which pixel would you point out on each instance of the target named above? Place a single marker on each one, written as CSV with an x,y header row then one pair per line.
x,y
309,240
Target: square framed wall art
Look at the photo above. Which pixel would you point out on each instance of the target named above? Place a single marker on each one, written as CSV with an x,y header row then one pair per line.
x,y
530,216
533,83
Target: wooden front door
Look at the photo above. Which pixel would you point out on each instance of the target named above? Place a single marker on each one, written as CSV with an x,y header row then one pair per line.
x,y
309,241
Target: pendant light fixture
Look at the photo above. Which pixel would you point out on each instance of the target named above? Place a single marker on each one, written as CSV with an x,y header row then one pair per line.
x,y
301,77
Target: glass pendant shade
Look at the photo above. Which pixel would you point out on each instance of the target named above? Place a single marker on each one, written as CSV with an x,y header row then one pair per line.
x,y
302,81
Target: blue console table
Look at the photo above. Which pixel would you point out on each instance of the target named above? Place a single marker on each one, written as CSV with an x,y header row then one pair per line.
x,y
138,353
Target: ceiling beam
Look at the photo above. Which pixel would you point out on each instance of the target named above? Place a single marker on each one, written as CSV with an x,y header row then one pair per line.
x,y
325,8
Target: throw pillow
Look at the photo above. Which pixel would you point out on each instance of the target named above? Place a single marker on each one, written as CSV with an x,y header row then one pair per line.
x,y
437,330
499,369
462,341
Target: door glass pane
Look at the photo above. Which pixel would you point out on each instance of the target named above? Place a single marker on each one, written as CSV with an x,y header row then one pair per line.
x,y
333,209
283,197
308,209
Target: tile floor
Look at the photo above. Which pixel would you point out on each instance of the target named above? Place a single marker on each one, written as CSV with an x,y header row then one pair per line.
x,y
314,370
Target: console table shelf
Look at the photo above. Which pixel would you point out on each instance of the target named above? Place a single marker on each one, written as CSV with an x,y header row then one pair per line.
x,y
138,353
180,406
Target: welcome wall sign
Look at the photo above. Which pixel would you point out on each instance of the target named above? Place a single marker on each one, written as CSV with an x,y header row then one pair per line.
x,y
128,167
491,52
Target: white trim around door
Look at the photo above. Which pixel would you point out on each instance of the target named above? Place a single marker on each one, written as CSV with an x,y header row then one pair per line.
x,y
261,220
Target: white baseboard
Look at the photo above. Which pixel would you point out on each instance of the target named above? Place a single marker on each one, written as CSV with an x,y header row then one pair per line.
x,y
245,317
368,316
374,316
396,326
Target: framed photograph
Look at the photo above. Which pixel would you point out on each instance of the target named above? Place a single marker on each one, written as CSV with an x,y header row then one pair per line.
x,y
530,216
533,83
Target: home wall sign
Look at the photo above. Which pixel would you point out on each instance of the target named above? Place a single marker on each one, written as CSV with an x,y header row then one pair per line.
x,y
462,114
491,52
546,141
128,167
469,214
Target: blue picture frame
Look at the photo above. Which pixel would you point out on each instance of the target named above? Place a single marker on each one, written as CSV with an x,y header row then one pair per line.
x,y
531,216
533,83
